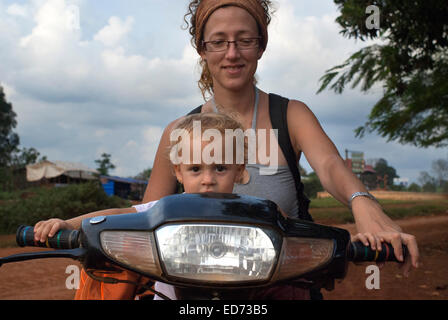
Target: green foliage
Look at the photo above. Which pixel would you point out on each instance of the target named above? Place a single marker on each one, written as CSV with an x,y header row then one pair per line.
x,y
144,175
104,164
312,185
41,203
8,139
382,169
444,187
429,187
26,156
411,64
440,169
414,188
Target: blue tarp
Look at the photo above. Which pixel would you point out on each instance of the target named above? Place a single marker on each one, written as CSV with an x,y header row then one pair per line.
x,y
125,180
121,186
109,188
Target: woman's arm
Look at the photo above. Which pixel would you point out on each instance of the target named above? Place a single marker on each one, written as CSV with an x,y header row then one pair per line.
x,y
308,136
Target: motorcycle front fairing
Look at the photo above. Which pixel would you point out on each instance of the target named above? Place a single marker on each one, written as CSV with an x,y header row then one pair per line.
x,y
273,247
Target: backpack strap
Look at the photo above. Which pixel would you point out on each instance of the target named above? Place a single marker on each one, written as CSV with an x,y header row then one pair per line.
x,y
278,107
195,110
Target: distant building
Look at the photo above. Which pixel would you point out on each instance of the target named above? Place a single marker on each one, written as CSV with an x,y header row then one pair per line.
x,y
126,188
59,172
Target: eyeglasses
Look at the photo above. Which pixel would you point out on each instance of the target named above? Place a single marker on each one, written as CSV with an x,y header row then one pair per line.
x,y
223,45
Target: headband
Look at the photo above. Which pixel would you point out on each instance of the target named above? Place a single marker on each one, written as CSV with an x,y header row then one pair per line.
x,y
207,7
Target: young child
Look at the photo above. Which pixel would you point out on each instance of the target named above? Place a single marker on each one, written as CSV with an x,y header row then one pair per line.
x,y
200,176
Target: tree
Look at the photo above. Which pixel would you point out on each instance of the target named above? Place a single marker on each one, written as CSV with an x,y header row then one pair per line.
x,y
440,168
104,164
8,139
382,169
302,171
414,187
428,182
144,175
26,156
312,185
411,64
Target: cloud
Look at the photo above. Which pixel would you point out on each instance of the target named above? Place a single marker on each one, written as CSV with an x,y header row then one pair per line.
x,y
113,83
114,32
17,10
77,96
301,48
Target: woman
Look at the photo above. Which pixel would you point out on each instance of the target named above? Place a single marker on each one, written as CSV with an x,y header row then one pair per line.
x,y
230,36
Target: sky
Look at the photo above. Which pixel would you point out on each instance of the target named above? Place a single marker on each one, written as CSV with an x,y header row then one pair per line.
x,y
106,76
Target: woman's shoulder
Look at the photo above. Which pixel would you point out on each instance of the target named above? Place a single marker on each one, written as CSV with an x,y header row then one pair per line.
x,y
293,104
300,120
298,110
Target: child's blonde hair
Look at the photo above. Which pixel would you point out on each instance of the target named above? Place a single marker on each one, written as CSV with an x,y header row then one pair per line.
x,y
209,120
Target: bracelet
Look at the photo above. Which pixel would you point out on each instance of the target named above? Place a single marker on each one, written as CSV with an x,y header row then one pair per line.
x,y
360,194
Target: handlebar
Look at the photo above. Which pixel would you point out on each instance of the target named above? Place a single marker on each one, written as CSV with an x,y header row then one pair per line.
x,y
358,252
69,239
63,239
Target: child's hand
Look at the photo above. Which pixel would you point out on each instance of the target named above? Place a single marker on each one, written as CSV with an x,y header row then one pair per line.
x,y
48,228
368,239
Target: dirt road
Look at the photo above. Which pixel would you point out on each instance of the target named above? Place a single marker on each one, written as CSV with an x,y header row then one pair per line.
x,y
46,279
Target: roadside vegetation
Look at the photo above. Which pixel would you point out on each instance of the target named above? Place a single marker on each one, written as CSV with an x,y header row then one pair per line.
x,y
330,211
26,207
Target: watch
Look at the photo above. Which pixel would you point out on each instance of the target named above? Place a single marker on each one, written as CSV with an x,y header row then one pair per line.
x,y
360,194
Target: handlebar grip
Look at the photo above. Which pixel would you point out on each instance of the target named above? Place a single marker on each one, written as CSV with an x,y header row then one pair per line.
x,y
358,252
63,239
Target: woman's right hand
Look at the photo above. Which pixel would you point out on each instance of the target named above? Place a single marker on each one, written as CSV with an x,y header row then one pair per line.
x,y
48,228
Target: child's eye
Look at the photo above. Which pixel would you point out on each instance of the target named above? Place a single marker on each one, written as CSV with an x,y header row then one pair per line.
x,y
194,168
221,168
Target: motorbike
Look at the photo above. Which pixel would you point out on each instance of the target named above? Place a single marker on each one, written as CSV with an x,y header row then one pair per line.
x,y
209,246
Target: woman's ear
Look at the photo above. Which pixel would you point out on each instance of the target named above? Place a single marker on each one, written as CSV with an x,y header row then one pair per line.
x,y
202,54
260,53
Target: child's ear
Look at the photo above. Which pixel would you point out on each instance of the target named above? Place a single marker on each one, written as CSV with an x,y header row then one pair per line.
x,y
178,173
240,174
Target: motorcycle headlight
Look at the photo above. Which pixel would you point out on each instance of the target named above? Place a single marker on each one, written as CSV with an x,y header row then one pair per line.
x,y
216,253
135,249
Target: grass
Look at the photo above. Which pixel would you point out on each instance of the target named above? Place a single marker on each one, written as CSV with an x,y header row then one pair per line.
x,y
329,210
